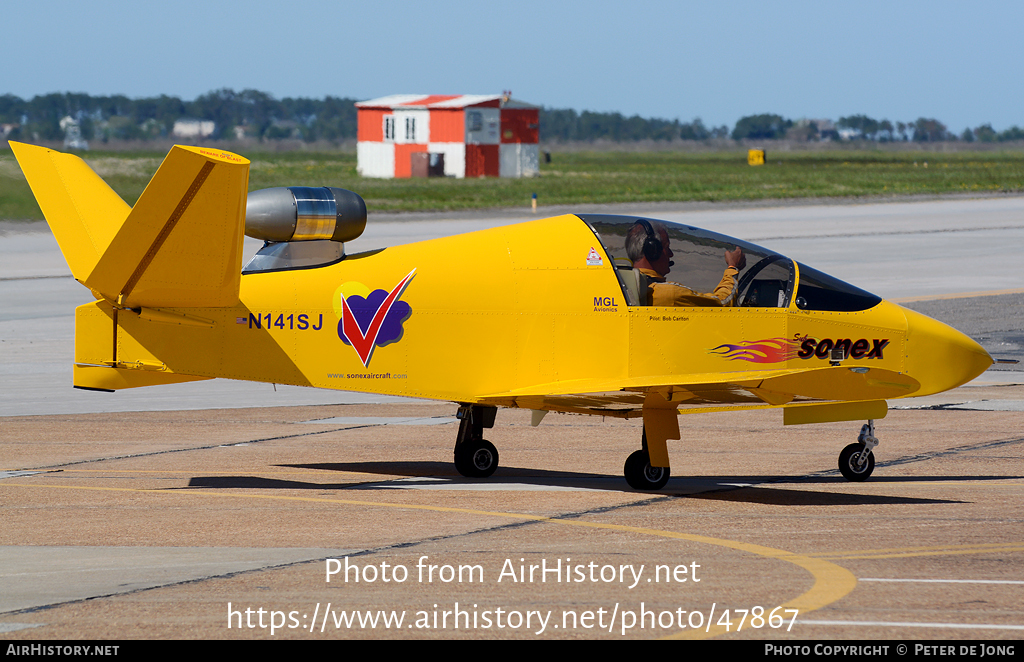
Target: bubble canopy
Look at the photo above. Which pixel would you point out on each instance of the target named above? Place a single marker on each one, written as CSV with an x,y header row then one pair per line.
x,y
768,279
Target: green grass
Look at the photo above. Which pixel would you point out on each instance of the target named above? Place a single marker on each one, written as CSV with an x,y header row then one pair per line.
x,y
592,177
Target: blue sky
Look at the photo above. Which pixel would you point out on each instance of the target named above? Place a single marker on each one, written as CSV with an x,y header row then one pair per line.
x,y
958,62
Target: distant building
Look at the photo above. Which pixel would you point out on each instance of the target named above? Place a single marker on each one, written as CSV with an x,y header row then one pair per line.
x,y
460,136
826,128
72,134
822,124
193,128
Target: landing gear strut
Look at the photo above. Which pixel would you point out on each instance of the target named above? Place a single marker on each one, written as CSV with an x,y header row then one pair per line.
x,y
857,461
475,457
640,474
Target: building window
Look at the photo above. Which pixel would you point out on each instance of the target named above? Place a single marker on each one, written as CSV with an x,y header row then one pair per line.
x,y
389,128
476,120
410,128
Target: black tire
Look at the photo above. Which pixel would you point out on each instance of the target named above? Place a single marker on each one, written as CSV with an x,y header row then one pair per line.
x,y
641,475
476,459
849,459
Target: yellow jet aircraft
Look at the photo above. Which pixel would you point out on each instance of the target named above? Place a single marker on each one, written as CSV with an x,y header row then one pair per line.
x,y
547,315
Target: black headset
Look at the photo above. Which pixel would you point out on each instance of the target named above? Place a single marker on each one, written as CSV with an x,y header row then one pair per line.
x,y
652,244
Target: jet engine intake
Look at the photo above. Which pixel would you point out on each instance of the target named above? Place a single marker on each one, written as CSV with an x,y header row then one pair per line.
x,y
302,213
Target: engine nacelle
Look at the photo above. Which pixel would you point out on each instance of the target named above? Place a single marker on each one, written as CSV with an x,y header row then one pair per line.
x,y
300,213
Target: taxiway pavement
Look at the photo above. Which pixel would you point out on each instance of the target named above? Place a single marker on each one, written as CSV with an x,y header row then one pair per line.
x,y
148,523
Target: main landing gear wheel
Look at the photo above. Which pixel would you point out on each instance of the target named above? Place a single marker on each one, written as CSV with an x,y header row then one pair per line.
x,y
477,458
856,462
641,475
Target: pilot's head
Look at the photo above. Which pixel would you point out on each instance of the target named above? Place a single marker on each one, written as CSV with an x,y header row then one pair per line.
x,y
647,246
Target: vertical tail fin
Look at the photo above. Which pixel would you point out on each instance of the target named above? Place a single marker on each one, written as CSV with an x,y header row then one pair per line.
x,y
83,212
180,246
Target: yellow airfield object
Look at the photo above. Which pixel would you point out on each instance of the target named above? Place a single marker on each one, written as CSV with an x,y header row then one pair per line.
x,y
548,315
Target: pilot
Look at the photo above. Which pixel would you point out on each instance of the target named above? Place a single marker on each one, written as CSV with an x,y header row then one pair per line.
x,y
647,246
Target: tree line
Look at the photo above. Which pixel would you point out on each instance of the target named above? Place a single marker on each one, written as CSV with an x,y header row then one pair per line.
x,y
255,114
250,113
862,127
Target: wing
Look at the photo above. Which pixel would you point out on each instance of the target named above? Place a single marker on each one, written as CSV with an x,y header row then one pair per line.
x,y
815,395
711,391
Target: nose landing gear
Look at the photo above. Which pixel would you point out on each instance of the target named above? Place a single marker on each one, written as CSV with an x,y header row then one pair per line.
x,y
857,461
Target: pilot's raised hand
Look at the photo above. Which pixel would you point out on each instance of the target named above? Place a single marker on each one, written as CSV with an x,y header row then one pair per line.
x,y
736,258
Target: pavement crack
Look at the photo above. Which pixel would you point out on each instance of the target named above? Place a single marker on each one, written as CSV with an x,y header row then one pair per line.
x,y
366,552
956,450
192,448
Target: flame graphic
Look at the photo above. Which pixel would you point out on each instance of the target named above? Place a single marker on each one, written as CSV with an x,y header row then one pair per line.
x,y
768,350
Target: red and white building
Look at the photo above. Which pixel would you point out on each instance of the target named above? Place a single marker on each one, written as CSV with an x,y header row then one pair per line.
x,y
478,135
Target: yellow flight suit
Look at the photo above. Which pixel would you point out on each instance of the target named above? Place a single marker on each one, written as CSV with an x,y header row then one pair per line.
x,y
663,293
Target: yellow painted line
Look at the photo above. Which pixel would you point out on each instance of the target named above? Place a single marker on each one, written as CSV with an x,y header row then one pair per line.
x,y
958,295
831,582
191,472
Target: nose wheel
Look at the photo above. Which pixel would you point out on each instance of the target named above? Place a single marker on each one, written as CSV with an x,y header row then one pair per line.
x,y
857,461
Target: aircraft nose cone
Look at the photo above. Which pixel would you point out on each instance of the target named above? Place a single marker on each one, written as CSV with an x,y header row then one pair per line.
x,y
939,356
